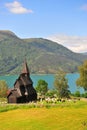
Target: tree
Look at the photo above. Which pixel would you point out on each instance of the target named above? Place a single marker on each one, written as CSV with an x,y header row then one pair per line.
x,y
61,84
42,87
82,80
3,89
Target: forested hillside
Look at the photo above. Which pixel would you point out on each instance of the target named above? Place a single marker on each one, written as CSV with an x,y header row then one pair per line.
x,y
43,56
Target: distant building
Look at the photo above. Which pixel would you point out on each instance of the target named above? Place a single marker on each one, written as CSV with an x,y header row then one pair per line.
x,y
23,91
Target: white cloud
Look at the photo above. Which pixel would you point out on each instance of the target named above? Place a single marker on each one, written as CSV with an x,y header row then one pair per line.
x,y
74,43
84,7
17,8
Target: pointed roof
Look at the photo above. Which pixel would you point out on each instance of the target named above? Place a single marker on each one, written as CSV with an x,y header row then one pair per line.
x,y
25,69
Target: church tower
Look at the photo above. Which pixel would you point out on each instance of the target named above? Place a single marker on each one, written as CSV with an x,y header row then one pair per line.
x,y
25,69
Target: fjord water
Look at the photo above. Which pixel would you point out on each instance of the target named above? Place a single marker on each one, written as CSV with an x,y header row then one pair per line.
x,y
49,78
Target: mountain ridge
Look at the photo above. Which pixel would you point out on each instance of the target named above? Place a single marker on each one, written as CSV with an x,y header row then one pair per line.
x,y
43,55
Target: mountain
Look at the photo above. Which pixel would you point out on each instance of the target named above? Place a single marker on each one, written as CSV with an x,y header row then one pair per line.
x,y
43,56
85,53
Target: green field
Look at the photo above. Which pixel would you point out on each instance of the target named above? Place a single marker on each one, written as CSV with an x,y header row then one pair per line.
x,y
63,116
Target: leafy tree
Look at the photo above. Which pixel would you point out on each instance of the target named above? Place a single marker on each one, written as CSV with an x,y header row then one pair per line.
x,y
61,84
42,87
82,80
3,89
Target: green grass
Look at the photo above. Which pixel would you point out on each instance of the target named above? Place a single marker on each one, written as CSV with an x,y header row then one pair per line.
x,y
62,116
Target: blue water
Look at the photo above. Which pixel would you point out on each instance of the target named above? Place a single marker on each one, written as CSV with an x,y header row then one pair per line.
x,y
49,78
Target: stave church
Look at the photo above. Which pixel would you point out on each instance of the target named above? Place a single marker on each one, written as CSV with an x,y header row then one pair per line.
x,y
23,91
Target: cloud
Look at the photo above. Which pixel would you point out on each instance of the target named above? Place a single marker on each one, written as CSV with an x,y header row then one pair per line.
x,y
75,43
17,8
84,7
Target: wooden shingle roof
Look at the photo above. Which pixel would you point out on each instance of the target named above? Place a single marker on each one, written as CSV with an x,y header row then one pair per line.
x,y
25,69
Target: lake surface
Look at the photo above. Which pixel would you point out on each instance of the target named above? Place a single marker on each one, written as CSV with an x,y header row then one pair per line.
x,y
49,78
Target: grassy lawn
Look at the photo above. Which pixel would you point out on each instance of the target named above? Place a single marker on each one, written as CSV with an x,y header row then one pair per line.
x,y
65,116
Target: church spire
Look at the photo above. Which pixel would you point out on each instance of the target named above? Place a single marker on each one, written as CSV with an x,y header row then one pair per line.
x,y
25,69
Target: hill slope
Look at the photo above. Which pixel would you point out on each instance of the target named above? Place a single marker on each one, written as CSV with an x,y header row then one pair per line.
x,y
43,56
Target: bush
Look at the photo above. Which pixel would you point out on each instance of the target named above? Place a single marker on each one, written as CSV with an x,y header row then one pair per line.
x,y
52,93
84,95
77,94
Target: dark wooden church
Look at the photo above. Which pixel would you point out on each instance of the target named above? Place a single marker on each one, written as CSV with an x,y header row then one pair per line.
x,y
23,91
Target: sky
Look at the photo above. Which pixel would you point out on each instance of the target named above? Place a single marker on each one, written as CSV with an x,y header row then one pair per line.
x,y
63,21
